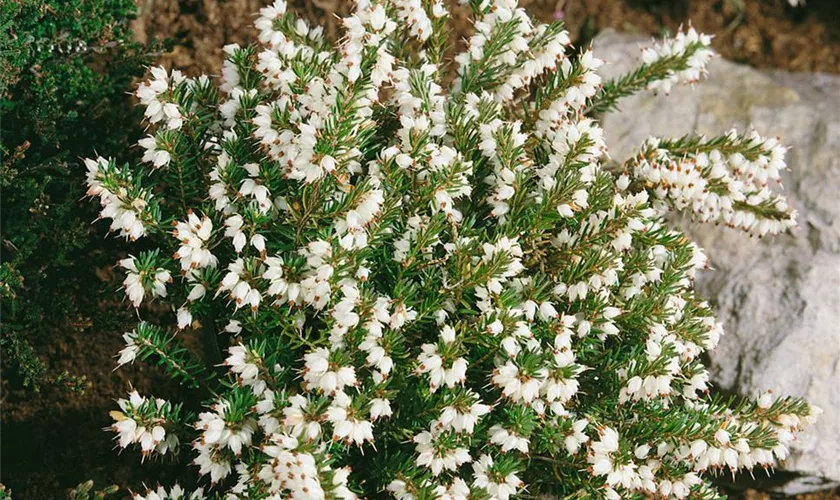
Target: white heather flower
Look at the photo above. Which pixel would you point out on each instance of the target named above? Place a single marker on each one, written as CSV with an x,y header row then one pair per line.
x,y
254,187
184,318
483,478
344,314
246,364
126,205
339,483
230,73
216,431
157,157
504,174
315,289
211,460
576,437
233,230
436,456
507,440
137,282
154,94
265,23
239,288
463,419
174,493
278,285
722,436
601,455
129,353
399,490
193,235
299,420
347,426
265,407
720,187
554,120
402,246
234,327
220,192
380,408
414,15
691,45
372,344
401,315
95,176
516,385
458,489
296,470
197,292
143,422
230,109
450,373
327,377
352,230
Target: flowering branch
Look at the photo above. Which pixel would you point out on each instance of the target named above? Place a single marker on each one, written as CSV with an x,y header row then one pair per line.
x,y
428,290
722,179
148,341
676,61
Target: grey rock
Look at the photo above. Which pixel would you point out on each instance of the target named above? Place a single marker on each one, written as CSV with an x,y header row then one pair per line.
x,y
779,297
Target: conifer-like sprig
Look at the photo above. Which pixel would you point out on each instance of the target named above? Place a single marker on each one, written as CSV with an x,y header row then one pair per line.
x,y
149,342
673,61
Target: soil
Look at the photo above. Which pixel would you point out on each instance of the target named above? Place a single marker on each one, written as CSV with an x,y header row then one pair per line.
x,y
762,33
53,439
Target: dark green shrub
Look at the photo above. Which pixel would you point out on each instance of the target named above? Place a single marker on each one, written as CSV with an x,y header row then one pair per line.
x,y
66,67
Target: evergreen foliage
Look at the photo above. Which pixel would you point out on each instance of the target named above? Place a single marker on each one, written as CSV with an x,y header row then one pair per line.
x,y
65,67
430,290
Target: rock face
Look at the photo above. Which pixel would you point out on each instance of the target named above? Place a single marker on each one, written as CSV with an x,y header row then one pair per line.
x,y
779,297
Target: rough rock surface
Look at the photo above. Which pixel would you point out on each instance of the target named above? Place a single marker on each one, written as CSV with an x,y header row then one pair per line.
x,y
779,297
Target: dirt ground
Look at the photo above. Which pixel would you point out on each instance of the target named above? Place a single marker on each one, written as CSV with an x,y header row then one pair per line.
x,y
763,33
52,440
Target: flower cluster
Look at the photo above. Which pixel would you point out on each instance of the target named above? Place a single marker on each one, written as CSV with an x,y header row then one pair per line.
x,y
155,94
426,290
143,276
724,180
691,43
122,202
146,422
174,493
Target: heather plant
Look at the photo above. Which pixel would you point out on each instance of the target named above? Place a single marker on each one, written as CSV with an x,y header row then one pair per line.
x,y
64,70
422,277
